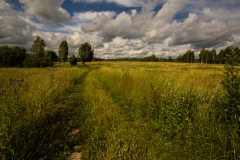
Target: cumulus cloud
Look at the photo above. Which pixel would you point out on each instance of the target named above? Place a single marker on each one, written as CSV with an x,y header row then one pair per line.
x,y
127,3
201,30
46,10
162,32
150,26
15,29
200,33
125,25
90,15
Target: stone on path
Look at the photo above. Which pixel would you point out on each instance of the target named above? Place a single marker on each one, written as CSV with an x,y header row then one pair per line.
x,y
75,156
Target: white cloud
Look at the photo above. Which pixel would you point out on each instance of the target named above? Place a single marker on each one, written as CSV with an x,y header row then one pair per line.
x,y
134,33
89,16
15,30
201,33
46,10
221,14
127,3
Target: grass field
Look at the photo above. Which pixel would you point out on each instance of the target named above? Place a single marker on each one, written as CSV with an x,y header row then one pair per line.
x,y
123,110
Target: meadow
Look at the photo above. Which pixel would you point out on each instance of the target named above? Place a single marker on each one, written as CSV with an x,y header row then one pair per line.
x,y
123,110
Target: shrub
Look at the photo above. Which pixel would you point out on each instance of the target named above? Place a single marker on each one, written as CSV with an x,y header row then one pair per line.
x,y
231,84
72,60
32,60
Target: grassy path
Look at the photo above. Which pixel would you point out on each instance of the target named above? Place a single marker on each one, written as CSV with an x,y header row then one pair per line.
x,y
111,133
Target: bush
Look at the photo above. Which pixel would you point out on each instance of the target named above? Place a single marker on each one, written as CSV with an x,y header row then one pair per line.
x,y
72,60
32,60
231,84
12,56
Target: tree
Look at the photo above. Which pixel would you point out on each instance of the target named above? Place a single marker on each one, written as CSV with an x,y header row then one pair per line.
x,y
37,56
188,57
72,60
231,84
11,57
201,55
180,58
86,52
63,51
52,55
213,56
221,57
208,56
38,47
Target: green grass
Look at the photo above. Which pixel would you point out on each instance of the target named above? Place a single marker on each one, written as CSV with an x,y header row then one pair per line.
x,y
124,110
35,111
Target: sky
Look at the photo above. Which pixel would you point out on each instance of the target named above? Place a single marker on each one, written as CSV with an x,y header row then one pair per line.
x,y
122,28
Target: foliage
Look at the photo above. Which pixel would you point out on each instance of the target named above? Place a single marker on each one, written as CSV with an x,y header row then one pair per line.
x,y
38,47
208,56
73,60
51,55
211,56
38,57
231,84
63,51
188,57
12,56
85,52
151,58
32,60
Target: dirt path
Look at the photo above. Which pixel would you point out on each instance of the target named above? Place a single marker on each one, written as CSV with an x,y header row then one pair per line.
x,y
76,97
114,135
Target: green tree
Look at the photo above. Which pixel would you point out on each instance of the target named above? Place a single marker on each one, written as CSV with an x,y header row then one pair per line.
x,y
63,51
72,60
86,52
38,47
213,56
208,56
202,55
12,57
231,84
37,57
19,56
180,58
5,56
52,55
188,57
221,57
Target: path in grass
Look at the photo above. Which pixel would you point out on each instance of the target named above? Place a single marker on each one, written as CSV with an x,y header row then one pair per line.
x,y
109,131
80,111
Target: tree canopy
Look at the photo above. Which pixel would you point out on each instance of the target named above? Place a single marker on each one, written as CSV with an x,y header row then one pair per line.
x,y
12,56
52,55
188,57
86,52
63,51
73,60
37,56
38,46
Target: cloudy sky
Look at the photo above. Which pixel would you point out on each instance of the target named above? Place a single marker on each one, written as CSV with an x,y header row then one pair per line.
x,y
122,28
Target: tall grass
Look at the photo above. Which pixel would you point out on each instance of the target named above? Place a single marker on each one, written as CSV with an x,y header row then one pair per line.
x,y
174,106
124,110
34,112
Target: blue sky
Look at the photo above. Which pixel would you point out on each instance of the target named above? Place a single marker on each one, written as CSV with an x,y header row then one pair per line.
x,y
119,28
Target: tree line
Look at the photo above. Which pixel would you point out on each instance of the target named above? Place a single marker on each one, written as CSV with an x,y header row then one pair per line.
x,y
39,57
208,56
205,56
